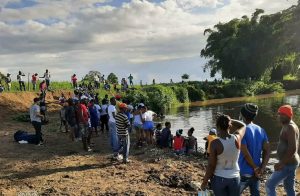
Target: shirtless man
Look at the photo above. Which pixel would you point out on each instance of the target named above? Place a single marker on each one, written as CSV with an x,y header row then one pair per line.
x,y
287,152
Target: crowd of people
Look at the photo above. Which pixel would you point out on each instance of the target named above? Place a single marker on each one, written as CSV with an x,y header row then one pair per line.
x,y
239,151
84,114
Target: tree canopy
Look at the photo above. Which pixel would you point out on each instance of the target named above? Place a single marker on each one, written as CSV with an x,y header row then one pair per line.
x,y
112,78
251,47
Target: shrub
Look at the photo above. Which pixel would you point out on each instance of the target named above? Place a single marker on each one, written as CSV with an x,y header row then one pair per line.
x,y
182,94
195,94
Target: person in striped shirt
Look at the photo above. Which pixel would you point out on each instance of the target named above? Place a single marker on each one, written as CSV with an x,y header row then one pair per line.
x,y
122,123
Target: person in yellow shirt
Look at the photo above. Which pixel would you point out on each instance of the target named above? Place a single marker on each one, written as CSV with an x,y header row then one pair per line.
x,y
212,136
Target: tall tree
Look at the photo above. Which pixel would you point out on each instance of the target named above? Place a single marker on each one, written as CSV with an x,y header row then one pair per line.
x,y
112,78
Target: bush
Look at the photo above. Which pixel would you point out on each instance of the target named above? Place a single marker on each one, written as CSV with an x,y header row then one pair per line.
x,y
160,97
182,94
195,94
258,88
236,89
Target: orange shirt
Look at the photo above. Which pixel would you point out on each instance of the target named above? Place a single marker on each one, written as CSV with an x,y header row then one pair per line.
x,y
210,138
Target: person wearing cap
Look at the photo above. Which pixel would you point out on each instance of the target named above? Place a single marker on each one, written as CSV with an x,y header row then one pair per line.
x,y
211,137
8,81
123,124
178,142
255,146
287,153
36,120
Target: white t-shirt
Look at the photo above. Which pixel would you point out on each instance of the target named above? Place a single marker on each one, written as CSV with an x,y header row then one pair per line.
x,y
47,75
34,110
148,116
112,109
103,107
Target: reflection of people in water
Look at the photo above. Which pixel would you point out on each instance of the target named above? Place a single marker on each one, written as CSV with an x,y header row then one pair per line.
x,y
223,169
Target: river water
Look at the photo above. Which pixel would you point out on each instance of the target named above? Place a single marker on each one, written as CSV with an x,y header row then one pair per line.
x,y
202,115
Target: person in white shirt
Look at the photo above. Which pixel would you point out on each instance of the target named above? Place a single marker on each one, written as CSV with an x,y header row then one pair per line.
x,y
104,115
148,124
21,81
47,78
114,140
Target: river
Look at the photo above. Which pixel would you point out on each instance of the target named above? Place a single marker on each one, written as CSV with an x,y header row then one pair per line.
x,y
202,115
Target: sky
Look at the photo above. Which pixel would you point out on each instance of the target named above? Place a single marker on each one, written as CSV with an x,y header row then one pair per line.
x,y
159,39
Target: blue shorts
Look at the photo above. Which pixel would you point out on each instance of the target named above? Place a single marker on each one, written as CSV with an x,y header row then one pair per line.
x,y
148,126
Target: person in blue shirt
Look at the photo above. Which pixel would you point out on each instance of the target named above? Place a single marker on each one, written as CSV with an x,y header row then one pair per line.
x,y
93,116
255,146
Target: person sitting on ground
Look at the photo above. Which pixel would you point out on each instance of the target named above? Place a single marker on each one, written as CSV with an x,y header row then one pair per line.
x,y
191,142
178,142
223,168
212,136
158,133
166,136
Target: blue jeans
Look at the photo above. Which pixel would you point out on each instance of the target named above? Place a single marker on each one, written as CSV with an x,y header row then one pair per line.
x,y
287,175
124,142
225,186
252,183
114,141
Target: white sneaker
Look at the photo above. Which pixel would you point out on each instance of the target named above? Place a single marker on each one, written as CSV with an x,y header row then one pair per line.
x,y
120,157
23,142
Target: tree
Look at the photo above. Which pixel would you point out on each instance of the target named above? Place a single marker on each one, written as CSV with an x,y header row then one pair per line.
x,y
249,47
90,77
112,78
185,77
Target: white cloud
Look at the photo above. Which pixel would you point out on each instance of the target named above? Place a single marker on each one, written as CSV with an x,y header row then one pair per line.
x,y
75,33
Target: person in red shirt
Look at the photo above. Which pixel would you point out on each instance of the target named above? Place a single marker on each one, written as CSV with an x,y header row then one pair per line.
x,y
74,81
83,119
43,86
178,142
34,79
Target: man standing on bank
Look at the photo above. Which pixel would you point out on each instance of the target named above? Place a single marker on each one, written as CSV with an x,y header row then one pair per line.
x,y
287,152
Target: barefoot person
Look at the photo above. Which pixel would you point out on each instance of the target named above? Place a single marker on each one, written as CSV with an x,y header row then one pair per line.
x,y
223,168
36,120
287,152
255,145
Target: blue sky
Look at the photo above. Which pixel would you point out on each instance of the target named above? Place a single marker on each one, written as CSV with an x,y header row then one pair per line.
x,y
159,39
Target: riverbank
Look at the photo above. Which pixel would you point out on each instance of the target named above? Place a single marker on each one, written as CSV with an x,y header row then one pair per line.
x,y
60,167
